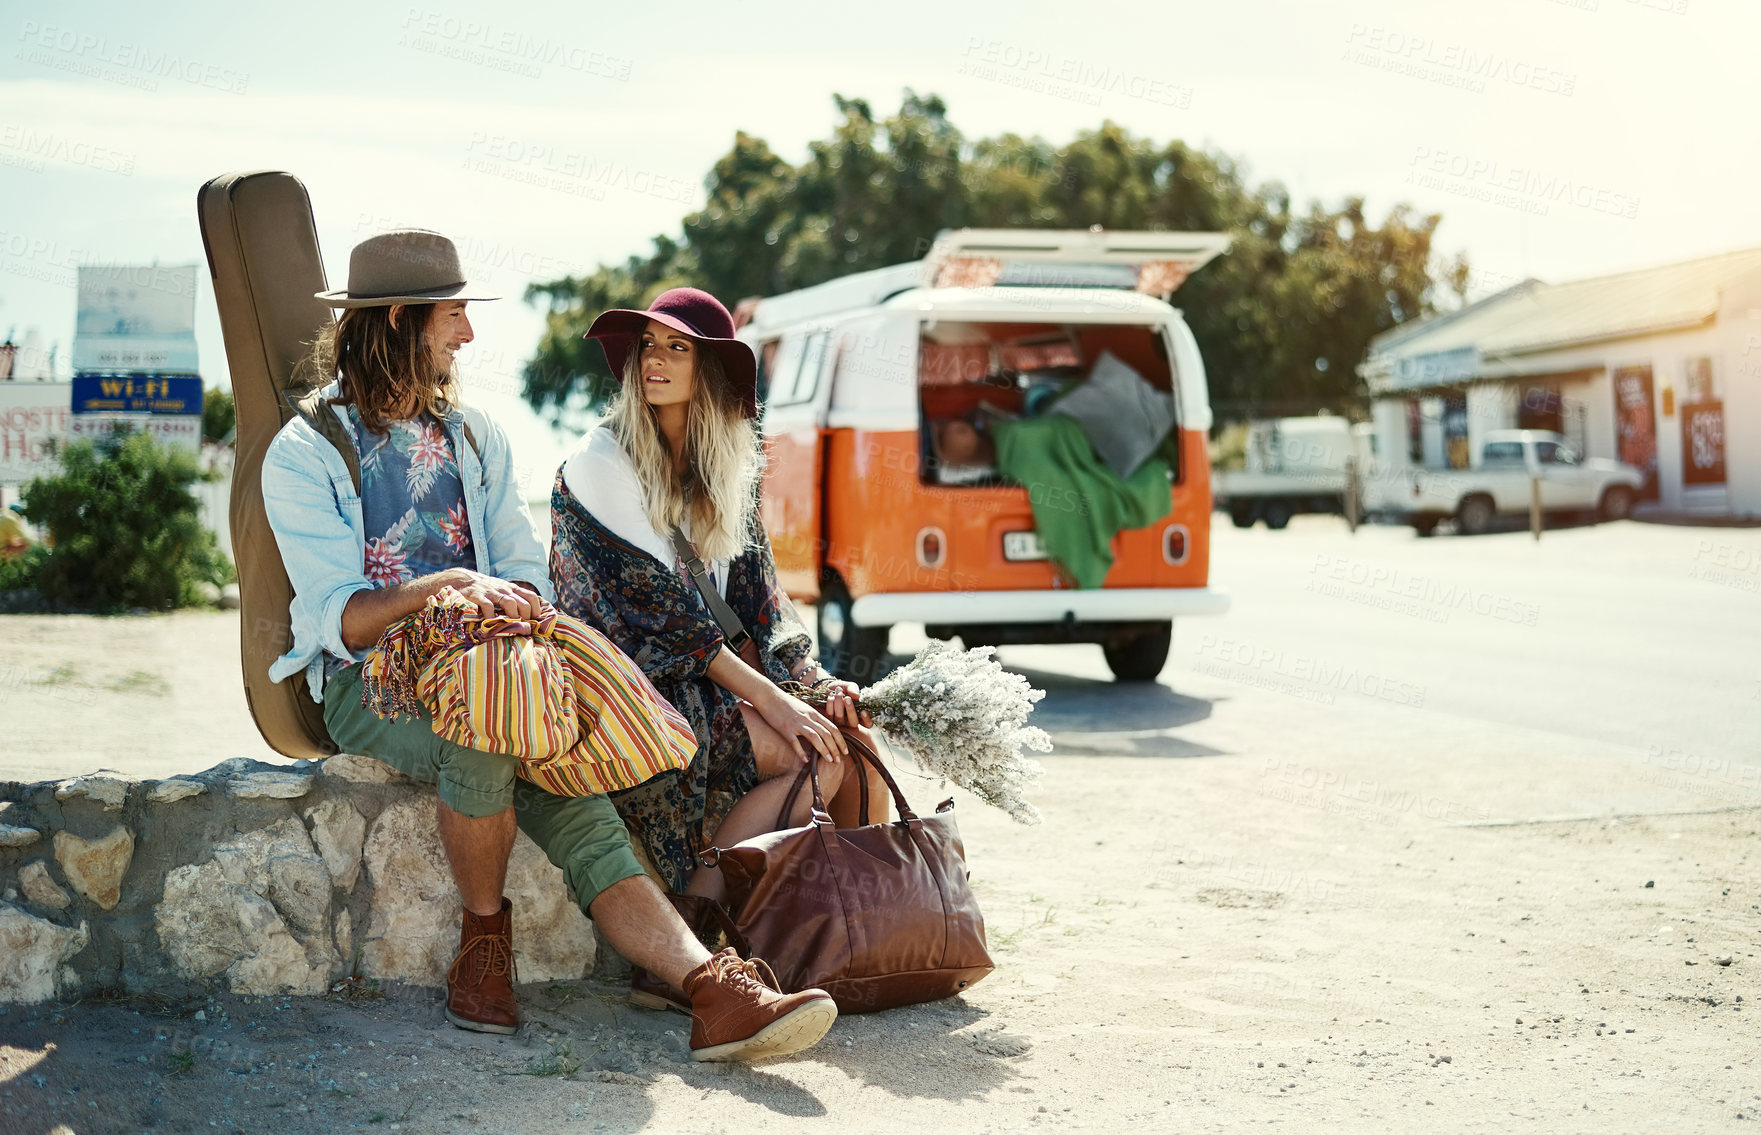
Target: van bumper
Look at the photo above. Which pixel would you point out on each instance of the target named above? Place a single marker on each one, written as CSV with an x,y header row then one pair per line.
x,y
1102,605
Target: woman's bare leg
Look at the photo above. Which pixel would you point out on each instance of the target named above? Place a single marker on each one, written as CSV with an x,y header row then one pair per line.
x,y
846,806
756,813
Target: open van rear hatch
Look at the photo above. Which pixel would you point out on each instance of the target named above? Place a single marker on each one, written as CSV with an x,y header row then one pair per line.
x,y
1155,263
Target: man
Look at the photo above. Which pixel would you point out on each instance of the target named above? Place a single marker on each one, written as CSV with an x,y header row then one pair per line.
x,y
432,511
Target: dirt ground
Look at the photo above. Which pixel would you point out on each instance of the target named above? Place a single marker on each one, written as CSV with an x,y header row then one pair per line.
x,y
1267,913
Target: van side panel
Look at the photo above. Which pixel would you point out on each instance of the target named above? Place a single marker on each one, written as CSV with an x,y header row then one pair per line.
x,y
790,506
876,504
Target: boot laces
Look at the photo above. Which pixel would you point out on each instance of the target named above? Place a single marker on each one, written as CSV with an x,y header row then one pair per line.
x,y
489,954
751,977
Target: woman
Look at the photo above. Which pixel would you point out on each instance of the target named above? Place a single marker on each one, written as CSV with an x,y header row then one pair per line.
x,y
678,449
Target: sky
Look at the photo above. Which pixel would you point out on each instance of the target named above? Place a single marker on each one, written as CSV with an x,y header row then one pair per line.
x,y
1557,138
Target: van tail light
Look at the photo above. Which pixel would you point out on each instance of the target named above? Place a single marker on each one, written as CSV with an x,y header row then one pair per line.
x,y
932,547
1174,543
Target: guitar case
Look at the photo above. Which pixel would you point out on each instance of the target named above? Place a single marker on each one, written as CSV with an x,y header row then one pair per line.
x,y
264,264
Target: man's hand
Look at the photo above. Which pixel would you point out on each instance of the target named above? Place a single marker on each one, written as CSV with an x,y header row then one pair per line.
x,y
496,596
368,613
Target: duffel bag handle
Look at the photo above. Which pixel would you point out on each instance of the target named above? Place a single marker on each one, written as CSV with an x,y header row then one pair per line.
x,y
864,754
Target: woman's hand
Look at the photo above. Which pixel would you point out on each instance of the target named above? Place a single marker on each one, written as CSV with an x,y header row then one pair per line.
x,y
841,705
801,725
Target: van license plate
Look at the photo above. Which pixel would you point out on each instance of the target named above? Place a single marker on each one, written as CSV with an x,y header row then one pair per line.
x,y
1019,546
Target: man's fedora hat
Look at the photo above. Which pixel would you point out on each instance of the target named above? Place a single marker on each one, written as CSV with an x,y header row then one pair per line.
x,y
405,266
689,311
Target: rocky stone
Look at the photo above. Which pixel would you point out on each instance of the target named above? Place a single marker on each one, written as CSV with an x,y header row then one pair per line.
x,y
197,923
257,897
210,926
362,770
178,788
338,829
412,932
270,785
31,952
96,867
11,836
206,592
345,937
279,964
279,863
258,912
34,878
229,597
106,790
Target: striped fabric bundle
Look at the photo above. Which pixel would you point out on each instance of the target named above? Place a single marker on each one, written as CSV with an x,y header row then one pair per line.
x,y
581,716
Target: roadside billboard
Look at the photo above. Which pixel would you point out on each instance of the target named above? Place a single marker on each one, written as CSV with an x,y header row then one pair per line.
x,y
134,353
34,417
136,317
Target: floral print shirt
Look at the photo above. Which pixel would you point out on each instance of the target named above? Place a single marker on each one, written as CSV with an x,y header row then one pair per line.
x,y
412,501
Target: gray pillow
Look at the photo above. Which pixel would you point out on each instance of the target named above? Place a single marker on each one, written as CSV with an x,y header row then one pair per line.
x,y
1124,417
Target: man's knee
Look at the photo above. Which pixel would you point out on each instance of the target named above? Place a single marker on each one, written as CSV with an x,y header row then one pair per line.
x,y
582,835
474,783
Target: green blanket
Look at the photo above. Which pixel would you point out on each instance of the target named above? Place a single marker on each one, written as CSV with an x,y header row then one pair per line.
x,y
1079,504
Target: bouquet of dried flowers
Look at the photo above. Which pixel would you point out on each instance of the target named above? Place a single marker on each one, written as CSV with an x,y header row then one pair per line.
x,y
961,717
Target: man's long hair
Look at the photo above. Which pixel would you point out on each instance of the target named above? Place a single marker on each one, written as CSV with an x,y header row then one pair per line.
x,y
724,456
386,372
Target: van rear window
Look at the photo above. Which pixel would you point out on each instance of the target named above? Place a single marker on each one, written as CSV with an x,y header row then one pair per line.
x,y
971,374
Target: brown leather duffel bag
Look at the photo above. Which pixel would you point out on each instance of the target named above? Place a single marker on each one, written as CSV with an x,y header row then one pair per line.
x,y
877,916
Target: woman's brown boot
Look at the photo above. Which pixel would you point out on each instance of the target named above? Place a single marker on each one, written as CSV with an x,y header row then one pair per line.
x,y
480,984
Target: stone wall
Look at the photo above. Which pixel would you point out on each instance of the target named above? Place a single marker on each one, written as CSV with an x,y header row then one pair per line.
x,y
249,877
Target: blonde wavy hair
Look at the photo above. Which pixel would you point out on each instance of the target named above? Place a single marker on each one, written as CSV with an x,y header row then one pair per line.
x,y
386,372
723,453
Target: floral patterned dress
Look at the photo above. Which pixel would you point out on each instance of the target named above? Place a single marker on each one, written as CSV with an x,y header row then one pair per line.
x,y
654,614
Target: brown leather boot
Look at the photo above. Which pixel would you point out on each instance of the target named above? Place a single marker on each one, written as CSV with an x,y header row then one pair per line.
x,y
650,992
705,923
737,1013
480,984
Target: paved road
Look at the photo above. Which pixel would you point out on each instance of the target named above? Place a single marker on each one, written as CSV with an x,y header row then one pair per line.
x,y
1635,638
1639,637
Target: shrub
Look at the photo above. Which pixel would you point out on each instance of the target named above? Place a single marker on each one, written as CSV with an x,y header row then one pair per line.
x,y
123,529
19,572
219,415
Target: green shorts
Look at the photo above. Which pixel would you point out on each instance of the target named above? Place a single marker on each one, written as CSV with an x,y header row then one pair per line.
x,y
583,835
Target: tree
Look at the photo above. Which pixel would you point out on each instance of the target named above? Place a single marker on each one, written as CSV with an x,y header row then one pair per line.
x,y
124,528
566,366
1283,319
219,416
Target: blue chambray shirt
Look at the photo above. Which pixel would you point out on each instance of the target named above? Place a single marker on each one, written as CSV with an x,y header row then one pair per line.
x,y
315,513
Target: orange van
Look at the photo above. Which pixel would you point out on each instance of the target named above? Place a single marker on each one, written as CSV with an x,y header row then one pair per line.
x,y
881,509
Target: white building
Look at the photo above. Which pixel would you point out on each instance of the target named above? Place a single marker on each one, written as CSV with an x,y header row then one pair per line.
x,y
1660,368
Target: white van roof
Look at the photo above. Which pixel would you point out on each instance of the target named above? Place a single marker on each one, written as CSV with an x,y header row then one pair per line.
x,y
1115,274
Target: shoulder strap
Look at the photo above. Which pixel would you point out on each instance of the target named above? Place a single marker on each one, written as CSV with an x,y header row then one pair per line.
x,y
732,630
470,435
311,406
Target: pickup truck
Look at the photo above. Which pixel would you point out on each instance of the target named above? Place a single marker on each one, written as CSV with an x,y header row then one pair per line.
x,y
1500,484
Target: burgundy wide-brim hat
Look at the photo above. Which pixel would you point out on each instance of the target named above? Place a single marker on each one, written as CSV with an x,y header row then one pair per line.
x,y
689,311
